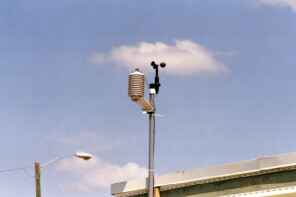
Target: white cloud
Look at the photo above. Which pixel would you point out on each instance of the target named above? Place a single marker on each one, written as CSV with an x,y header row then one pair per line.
x,y
96,173
290,3
184,58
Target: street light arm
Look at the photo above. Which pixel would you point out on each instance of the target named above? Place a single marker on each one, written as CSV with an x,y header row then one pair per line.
x,y
60,157
82,155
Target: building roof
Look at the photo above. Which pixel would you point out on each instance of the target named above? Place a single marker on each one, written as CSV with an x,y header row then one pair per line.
x,y
206,175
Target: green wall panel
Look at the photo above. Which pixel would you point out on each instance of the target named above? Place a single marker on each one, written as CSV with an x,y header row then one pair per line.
x,y
235,186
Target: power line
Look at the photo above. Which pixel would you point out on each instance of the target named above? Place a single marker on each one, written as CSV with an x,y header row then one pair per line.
x,y
15,169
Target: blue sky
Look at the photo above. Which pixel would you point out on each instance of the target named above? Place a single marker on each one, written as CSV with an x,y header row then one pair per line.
x,y
228,91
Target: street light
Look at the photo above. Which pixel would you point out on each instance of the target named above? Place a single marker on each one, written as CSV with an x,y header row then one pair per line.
x,y
136,90
82,155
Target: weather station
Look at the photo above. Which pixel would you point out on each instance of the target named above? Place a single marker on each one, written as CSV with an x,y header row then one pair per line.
x,y
136,91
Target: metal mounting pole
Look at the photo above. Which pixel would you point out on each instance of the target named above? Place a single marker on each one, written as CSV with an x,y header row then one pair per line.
x,y
151,144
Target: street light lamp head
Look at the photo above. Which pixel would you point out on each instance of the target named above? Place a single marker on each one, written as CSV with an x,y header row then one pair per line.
x,y
82,155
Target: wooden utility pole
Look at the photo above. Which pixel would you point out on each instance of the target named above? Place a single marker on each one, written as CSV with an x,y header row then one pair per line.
x,y
37,178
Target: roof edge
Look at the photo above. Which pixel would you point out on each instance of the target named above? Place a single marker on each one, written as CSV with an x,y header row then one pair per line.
x,y
211,174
